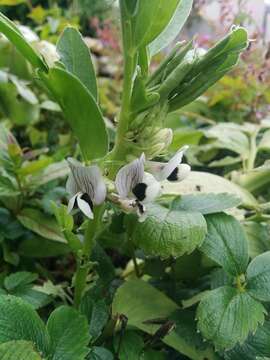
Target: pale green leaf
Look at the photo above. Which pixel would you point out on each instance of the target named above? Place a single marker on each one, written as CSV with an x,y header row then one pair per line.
x,y
206,203
226,243
173,28
204,182
18,350
68,330
76,57
226,316
168,233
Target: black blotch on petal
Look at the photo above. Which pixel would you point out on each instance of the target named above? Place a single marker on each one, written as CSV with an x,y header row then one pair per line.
x,y
174,175
87,198
140,191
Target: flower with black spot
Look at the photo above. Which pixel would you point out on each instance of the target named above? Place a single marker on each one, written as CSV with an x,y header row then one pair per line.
x,y
173,170
86,187
136,185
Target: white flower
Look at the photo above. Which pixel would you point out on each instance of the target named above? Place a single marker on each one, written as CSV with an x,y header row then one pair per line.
x,y
86,187
173,170
133,183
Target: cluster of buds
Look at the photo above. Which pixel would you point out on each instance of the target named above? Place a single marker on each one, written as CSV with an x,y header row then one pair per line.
x,y
134,186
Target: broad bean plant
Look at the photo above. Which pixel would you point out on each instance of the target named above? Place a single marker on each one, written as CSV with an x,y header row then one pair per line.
x,y
184,285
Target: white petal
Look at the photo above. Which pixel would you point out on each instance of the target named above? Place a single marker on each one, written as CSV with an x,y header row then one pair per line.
x,y
85,207
71,186
172,164
183,171
89,180
71,202
153,188
129,176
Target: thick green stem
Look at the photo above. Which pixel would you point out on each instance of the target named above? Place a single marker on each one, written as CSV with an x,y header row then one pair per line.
x,y
83,260
119,151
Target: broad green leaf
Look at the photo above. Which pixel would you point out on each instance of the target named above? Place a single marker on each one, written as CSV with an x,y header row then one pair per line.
x,y
41,224
255,345
68,331
258,238
140,301
131,346
7,188
258,277
76,57
168,233
18,350
226,243
173,28
151,19
14,35
52,172
99,353
206,203
38,247
81,111
226,316
204,183
19,321
99,318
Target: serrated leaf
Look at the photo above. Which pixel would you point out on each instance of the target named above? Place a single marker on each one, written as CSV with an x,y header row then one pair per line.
x,y
41,224
14,35
168,233
206,203
255,345
173,28
68,330
19,321
258,277
75,55
81,111
226,243
226,316
140,301
18,350
19,279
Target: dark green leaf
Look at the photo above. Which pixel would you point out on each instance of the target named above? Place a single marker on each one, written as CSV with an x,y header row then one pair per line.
x,y
139,301
258,277
19,280
69,335
42,248
226,243
75,55
131,346
14,35
255,345
81,111
168,233
206,203
226,316
100,353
